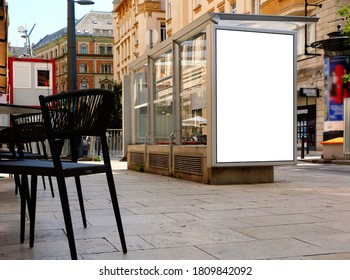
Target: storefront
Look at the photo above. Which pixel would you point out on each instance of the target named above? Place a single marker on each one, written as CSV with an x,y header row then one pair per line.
x,y
336,64
306,119
200,104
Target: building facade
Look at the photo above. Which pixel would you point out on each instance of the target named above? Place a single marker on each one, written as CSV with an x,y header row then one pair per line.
x,y
318,120
138,25
94,45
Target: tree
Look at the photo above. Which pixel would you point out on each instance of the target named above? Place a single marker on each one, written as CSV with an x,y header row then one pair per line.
x,y
345,14
115,120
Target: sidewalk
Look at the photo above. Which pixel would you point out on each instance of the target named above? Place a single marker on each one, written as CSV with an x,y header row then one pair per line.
x,y
312,155
304,214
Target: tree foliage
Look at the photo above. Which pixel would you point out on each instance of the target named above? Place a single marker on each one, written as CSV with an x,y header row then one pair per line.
x,y
115,120
345,14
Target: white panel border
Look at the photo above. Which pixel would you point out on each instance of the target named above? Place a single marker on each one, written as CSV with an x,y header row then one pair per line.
x,y
258,125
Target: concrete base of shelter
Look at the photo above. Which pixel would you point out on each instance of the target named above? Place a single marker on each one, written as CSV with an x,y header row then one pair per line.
x,y
241,175
190,163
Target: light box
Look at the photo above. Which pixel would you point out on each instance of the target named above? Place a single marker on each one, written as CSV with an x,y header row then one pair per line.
x,y
254,95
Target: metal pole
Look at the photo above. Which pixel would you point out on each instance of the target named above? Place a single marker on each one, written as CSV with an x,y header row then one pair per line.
x,y
71,41
302,147
307,126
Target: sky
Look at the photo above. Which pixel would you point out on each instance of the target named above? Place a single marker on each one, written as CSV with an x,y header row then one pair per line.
x,y
48,16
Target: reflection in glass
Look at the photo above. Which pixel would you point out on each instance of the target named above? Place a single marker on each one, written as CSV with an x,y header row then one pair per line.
x,y
193,100
141,104
163,98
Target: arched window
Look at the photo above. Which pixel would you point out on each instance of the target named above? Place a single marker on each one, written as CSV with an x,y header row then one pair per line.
x,y
103,86
84,85
110,86
83,68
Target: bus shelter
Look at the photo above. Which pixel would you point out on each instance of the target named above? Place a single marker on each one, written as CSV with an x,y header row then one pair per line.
x,y
208,103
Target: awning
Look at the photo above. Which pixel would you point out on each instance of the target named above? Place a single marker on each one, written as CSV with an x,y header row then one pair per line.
x,y
3,46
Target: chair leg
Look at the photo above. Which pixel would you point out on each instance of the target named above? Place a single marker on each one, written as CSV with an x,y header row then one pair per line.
x,y
51,187
67,216
32,209
44,183
17,182
22,192
116,210
81,200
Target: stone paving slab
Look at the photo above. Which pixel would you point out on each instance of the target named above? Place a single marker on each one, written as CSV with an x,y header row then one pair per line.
x,y
304,214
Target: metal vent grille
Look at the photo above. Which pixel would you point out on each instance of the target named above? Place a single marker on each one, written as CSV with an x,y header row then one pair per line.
x,y
159,160
188,164
137,158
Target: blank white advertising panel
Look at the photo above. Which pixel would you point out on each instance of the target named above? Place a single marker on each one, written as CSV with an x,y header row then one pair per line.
x,y
255,97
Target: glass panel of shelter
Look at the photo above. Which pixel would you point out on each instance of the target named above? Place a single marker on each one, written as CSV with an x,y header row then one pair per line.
x,y
141,104
163,98
193,99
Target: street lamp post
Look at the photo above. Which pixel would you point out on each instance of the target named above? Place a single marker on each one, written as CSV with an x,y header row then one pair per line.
x,y
26,35
71,42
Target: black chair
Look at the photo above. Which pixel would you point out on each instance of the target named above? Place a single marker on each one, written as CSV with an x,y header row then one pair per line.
x,y
7,138
11,151
30,137
69,116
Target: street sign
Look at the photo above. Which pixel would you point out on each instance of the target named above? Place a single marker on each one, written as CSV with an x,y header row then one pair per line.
x,y
309,92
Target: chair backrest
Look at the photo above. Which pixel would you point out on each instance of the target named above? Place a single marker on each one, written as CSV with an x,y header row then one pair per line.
x,y
29,130
77,113
29,127
71,115
7,136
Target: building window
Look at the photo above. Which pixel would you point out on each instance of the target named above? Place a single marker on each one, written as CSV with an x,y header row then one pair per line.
x,y
83,68
56,52
103,86
162,31
162,5
106,68
83,49
109,50
102,49
234,8
169,8
84,85
109,86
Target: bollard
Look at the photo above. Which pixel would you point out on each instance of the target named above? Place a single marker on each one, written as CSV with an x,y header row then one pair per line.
x,y
302,148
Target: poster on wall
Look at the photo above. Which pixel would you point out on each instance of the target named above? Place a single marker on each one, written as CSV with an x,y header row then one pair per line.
x,y
335,91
